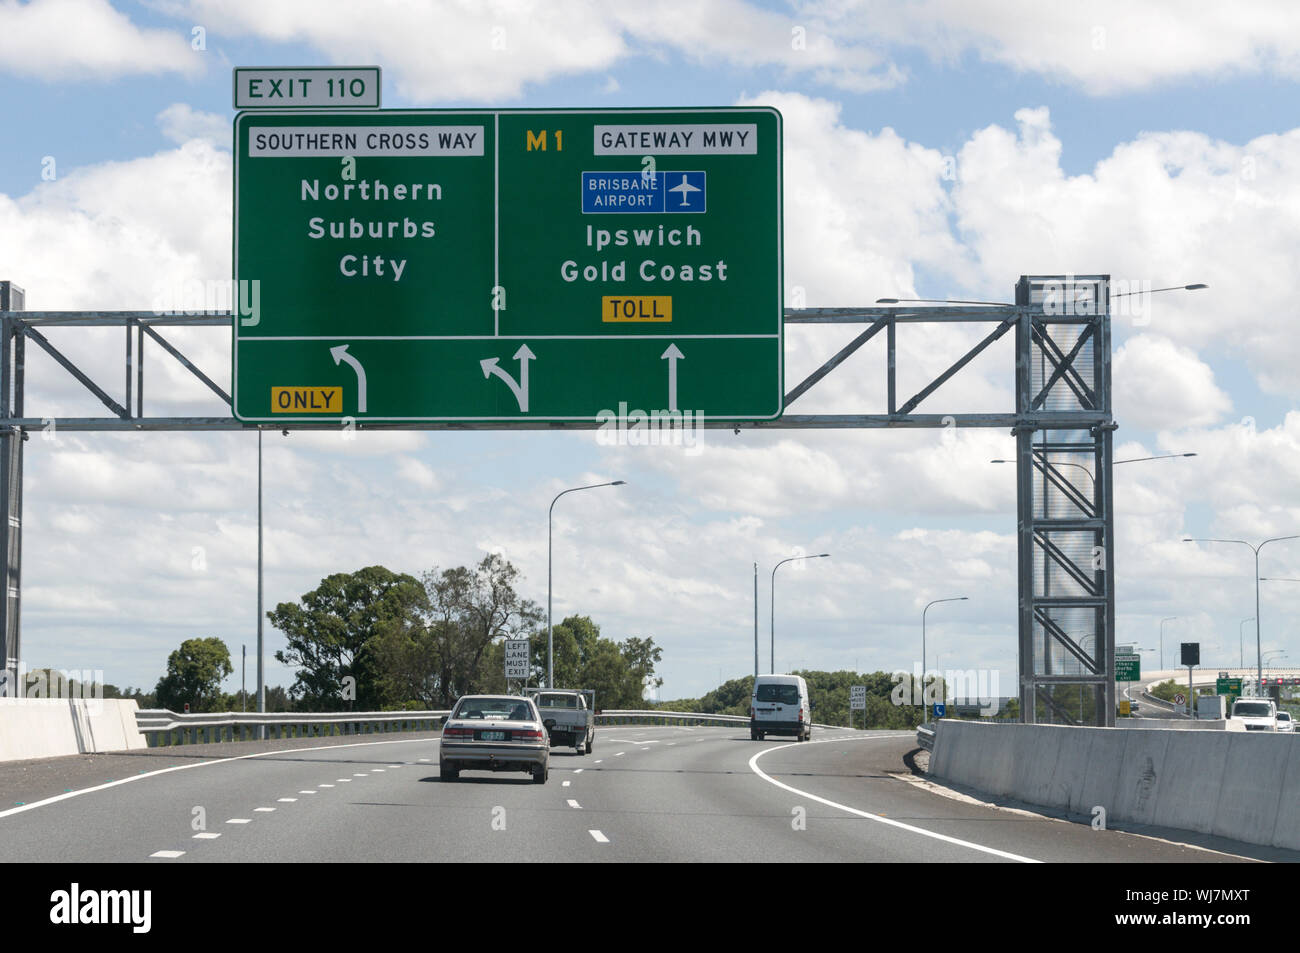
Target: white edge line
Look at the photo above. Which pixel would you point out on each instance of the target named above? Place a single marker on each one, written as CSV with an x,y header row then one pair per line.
x,y
753,766
185,767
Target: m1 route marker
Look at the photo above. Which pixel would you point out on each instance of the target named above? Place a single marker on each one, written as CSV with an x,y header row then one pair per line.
x,y
629,261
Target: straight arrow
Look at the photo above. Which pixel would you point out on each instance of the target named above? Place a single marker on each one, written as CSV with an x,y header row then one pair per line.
x,y
520,388
340,353
672,355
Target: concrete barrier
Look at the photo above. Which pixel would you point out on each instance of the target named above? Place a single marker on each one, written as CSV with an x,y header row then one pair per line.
x,y
51,727
1223,783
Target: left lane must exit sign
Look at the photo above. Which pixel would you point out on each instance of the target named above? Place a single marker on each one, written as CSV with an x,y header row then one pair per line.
x,y
504,265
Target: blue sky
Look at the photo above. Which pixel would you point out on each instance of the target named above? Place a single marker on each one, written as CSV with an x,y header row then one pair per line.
x,y
1078,146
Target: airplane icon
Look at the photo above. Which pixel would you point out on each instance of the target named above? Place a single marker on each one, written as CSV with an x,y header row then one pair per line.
x,y
686,189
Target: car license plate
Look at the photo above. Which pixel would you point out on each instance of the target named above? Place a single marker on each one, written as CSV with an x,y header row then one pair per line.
x,y
493,736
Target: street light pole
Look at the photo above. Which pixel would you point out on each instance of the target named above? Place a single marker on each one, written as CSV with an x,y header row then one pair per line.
x,y
1172,618
261,681
772,612
550,644
755,622
925,711
1259,662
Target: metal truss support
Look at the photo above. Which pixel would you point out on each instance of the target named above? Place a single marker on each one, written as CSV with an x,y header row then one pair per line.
x,y
11,484
1062,422
1065,508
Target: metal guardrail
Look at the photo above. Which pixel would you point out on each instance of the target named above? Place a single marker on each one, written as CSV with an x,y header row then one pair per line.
x,y
655,717
162,727
925,737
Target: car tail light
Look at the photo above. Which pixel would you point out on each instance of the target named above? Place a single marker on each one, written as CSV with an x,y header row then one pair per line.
x,y
458,734
526,734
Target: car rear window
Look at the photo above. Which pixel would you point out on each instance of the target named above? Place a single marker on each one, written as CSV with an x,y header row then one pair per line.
x,y
557,701
785,694
508,709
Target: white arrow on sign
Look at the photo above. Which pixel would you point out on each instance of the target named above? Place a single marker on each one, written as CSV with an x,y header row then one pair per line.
x,y
520,388
672,355
340,353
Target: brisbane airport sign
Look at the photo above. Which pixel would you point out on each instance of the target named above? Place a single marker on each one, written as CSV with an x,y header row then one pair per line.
x,y
507,265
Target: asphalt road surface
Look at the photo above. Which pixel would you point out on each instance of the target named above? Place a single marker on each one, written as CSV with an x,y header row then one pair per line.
x,y
644,794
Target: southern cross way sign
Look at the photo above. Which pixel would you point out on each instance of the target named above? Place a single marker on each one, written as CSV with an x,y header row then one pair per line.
x,y
507,265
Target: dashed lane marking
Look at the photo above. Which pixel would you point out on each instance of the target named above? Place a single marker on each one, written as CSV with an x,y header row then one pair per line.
x,y
203,836
240,820
168,853
264,810
280,752
575,805
599,837
288,800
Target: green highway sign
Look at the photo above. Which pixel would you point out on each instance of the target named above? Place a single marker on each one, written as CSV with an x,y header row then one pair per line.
x,y
1128,668
508,265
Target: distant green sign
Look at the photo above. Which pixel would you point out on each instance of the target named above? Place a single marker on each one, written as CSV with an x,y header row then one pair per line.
x,y
1128,668
508,265
1228,686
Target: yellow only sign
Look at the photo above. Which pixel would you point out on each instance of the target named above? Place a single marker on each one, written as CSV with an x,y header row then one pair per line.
x,y
306,400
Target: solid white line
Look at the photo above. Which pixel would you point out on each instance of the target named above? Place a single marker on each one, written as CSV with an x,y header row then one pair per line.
x,y
753,766
600,838
239,820
205,836
574,804
168,853
200,764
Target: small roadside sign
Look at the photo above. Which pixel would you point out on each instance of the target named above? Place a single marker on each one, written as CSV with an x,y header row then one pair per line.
x,y
307,87
857,698
940,709
517,659
1180,699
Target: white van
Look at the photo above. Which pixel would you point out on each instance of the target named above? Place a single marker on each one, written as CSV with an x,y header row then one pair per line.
x,y
780,706
1253,714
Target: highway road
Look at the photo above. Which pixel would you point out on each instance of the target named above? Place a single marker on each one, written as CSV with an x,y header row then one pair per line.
x,y
645,794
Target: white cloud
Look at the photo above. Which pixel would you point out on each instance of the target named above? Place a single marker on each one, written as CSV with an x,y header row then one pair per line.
x,y
72,40
1159,385
1103,47
450,51
181,122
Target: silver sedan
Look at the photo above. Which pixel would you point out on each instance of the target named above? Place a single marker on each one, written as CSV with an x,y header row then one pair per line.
x,y
494,733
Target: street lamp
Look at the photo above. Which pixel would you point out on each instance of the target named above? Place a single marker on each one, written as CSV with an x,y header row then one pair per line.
x,y
1259,662
772,614
1241,646
550,644
925,711
1171,618
1114,463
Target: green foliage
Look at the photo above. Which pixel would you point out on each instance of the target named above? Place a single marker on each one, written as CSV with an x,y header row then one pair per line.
x,y
1166,690
194,675
329,631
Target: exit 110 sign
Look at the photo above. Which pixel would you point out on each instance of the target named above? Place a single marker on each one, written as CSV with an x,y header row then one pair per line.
x,y
508,265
